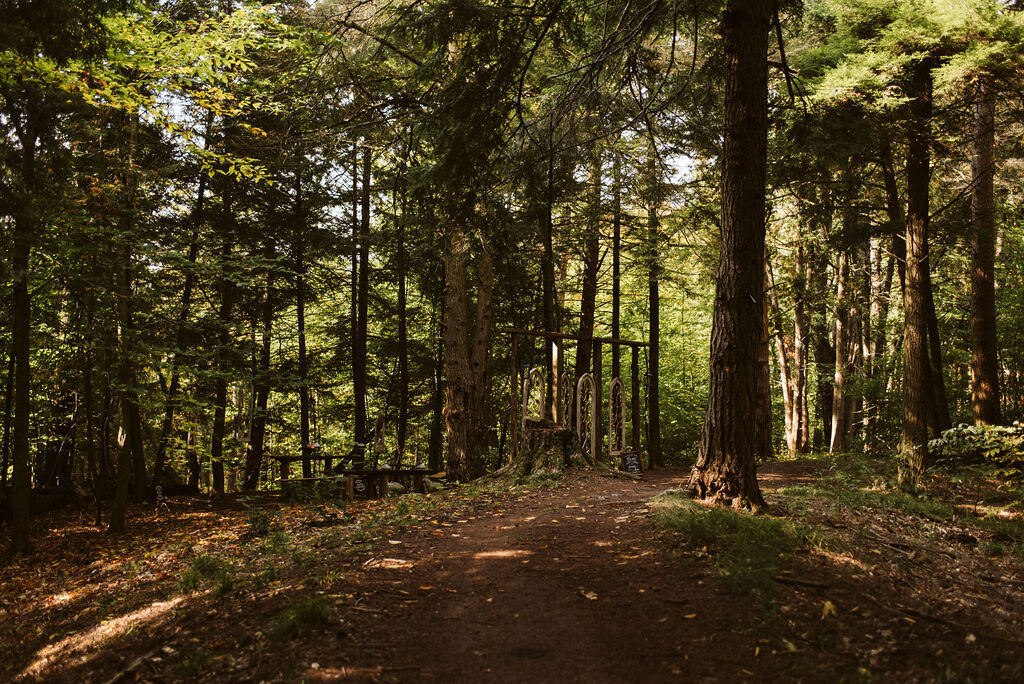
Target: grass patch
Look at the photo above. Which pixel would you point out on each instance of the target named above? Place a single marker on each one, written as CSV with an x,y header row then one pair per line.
x,y
205,570
301,616
911,505
747,548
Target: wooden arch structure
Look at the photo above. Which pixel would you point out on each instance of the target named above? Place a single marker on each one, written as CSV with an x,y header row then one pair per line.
x,y
556,383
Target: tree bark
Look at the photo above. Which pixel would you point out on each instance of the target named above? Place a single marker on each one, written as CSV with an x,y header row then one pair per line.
x,y
654,453
840,401
21,478
8,415
226,288
984,358
184,311
435,452
786,381
737,422
916,387
591,259
616,261
465,368
258,435
359,376
800,330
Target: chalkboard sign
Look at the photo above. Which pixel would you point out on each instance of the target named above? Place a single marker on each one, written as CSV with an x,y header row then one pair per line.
x,y
631,462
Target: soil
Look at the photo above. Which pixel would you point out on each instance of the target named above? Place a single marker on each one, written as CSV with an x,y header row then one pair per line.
x,y
574,581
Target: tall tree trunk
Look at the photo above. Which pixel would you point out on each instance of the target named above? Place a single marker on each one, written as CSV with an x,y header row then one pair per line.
x,y
894,210
87,404
359,376
655,456
591,262
21,479
616,261
184,311
840,400
548,267
737,423
403,323
258,435
8,415
300,309
465,369
939,405
435,453
786,381
800,331
127,397
916,387
984,359
226,288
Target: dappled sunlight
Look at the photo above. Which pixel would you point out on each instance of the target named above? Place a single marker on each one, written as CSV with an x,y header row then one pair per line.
x,y
503,553
75,645
389,563
61,599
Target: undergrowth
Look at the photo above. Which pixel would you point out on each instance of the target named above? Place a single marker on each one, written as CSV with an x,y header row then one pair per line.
x,y
747,548
207,569
305,614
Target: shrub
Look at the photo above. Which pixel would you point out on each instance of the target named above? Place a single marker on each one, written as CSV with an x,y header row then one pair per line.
x,y
1001,445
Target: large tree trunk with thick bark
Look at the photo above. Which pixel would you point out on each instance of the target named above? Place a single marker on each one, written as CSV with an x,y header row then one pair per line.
x,y
916,385
984,360
737,423
465,359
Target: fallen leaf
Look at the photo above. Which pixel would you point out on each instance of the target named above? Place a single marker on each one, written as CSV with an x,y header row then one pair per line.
x,y
828,608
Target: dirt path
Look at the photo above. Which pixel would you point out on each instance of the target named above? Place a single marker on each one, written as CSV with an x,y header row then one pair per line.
x,y
573,582
563,584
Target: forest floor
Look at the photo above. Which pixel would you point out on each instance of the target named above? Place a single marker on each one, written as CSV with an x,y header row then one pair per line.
x,y
594,576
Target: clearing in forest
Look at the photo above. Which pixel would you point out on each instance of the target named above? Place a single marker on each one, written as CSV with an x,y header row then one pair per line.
x,y
594,577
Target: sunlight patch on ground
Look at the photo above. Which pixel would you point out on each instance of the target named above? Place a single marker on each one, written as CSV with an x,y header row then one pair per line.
x,y
75,645
843,559
61,598
317,673
388,563
502,553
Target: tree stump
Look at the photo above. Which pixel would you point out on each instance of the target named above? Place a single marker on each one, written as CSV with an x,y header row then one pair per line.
x,y
547,448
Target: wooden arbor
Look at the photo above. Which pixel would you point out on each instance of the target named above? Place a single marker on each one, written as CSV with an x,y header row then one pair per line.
x,y
555,400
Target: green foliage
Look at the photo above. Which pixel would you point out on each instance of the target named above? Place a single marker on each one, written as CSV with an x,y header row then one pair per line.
x,y
305,614
1001,445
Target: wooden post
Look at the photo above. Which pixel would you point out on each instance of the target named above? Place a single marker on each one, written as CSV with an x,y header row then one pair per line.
x,y
514,399
598,395
634,398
